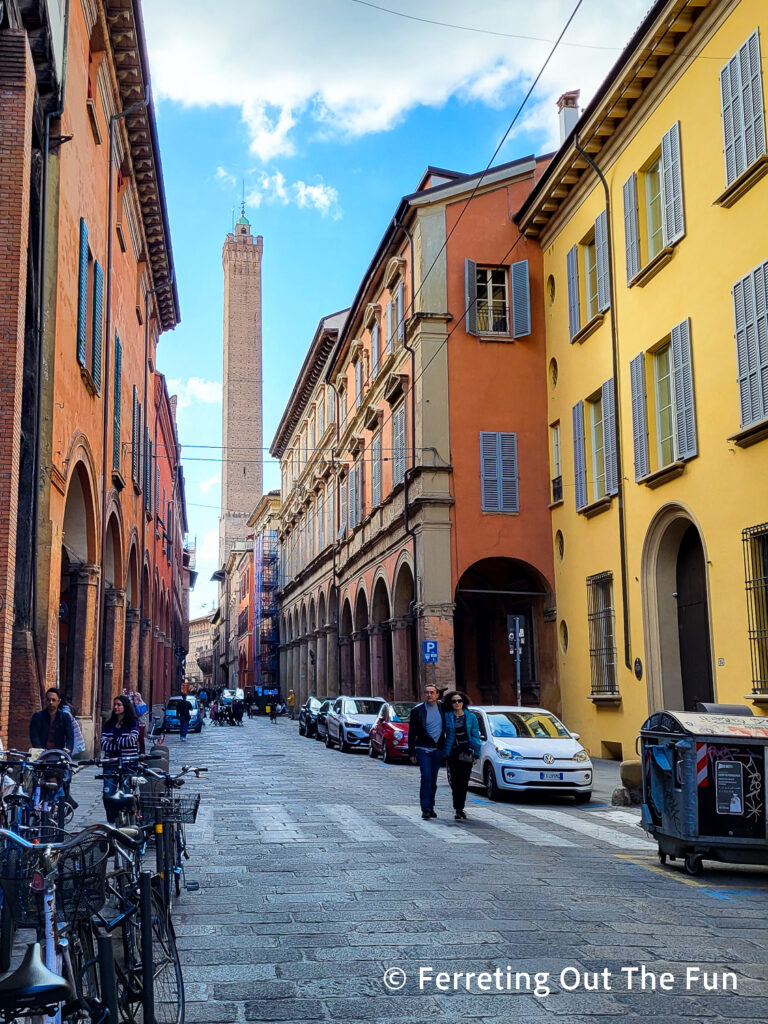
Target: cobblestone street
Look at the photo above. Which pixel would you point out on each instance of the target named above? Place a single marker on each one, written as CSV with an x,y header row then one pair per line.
x,y
317,874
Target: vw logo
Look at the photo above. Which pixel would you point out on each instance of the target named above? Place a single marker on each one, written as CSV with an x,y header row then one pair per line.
x,y
548,759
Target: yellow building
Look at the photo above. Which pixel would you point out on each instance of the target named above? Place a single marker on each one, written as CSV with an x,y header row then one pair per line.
x,y
652,220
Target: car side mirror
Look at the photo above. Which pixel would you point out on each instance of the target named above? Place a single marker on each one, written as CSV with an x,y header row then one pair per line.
x,y
575,735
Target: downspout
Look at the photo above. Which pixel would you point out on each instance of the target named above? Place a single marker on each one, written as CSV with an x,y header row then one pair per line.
x,y
41,264
616,419
105,429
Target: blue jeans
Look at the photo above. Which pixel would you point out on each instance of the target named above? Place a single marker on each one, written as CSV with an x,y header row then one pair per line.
x,y
183,727
429,762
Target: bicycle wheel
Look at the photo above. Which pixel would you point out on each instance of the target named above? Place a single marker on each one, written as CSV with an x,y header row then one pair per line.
x,y
7,924
86,978
179,879
166,969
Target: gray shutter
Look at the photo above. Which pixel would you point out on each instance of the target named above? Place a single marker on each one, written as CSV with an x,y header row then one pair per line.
x,y
374,350
117,404
401,311
741,93
470,296
352,497
733,124
639,416
672,185
98,323
510,498
82,295
751,316
398,471
489,471
579,456
601,258
574,313
685,403
521,300
388,328
752,98
631,228
343,507
607,393
376,470
134,437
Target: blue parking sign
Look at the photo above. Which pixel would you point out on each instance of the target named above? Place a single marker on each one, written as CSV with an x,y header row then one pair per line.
x,y
429,652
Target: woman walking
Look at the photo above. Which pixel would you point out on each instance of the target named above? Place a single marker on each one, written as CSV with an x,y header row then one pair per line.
x,y
465,749
119,738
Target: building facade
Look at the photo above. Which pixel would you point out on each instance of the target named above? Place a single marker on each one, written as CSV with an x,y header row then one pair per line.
x,y
198,668
656,326
264,598
414,526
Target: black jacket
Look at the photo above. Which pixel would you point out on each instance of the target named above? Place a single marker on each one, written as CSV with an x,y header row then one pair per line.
x,y
417,730
63,730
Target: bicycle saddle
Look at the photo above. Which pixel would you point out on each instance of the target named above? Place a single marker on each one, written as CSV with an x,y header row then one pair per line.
x,y
32,985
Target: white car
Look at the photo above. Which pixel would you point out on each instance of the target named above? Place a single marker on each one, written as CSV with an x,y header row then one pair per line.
x,y
529,750
349,721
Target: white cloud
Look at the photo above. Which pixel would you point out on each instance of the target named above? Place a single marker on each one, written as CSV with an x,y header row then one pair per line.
x,y
195,390
208,551
273,188
225,178
352,70
210,483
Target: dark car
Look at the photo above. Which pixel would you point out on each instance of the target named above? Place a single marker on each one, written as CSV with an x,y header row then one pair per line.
x,y
389,735
308,715
321,724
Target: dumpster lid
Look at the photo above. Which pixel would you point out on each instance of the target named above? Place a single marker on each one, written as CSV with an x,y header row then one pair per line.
x,y
692,723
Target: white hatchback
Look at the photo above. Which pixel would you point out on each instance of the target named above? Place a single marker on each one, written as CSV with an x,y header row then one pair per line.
x,y
528,750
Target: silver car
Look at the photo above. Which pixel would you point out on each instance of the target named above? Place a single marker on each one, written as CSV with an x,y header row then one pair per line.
x,y
349,721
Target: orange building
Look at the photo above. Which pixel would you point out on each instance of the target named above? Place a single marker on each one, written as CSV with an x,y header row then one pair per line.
x,y
414,523
91,583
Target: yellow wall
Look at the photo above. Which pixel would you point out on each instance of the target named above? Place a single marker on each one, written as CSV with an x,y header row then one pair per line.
x,y
724,488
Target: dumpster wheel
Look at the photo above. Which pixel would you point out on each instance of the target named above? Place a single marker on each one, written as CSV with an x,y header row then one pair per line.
x,y
693,864
662,858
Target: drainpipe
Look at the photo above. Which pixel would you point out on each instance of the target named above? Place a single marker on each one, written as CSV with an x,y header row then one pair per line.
x,y
41,272
107,332
616,419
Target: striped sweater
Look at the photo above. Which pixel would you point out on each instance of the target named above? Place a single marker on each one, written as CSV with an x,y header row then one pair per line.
x,y
117,741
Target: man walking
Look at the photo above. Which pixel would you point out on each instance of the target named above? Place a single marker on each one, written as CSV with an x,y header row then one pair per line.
x,y
184,713
430,737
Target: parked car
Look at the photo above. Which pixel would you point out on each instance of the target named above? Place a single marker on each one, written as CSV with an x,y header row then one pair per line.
x,y
527,750
171,718
349,721
308,715
389,734
227,696
321,728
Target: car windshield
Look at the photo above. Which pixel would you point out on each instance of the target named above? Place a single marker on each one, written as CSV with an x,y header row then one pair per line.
x,y
313,703
526,724
362,707
401,712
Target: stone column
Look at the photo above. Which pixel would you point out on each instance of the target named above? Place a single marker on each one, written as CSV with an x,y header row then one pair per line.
x,y
131,649
167,663
378,639
332,661
146,651
346,666
301,691
291,682
81,649
312,665
401,659
321,662
362,663
282,679
112,655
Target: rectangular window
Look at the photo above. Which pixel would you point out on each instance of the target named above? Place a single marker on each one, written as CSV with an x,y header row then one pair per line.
x,y
352,498
398,445
741,91
597,446
498,472
755,544
602,634
330,506
331,405
557,465
590,277
311,430
374,351
665,408
343,408
376,469
311,534
320,524
117,404
320,415
653,218
343,508
358,383
90,312
492,301
136,435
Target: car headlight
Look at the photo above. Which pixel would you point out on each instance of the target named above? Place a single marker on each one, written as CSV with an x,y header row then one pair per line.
x,y
398,735
581,755
505,754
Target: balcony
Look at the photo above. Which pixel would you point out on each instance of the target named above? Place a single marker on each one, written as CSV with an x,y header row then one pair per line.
x,y
242,622
557,489
205,661
492,317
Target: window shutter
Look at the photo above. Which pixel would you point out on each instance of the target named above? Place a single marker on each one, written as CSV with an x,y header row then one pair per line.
x,y
158,506
470,296
608,391
639,416
320,525
521,300
320,417
98,323
510,499
374,350
752,93
343,508
574,313
749,301
134,442
376,470
631,228
140,479
601,258
685,404
489,472
672,184
358,382
330,504
741,92
388,328
82,294
117,404
400,326
579,458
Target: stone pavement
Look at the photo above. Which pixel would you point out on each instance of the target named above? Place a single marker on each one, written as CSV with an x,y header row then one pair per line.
x,y
317,874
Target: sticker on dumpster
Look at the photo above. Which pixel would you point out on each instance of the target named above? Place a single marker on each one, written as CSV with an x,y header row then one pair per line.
x,y
701,764
729,787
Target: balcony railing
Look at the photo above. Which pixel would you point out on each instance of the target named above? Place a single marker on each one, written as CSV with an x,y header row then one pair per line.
x,y
557,488
492,317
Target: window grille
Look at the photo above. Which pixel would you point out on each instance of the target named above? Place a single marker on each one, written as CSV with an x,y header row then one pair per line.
x,y
755,541
602,633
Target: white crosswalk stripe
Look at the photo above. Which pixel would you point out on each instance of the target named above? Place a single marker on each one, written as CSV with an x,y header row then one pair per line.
x,y
356,825
587,827
617,815
519,829
448,833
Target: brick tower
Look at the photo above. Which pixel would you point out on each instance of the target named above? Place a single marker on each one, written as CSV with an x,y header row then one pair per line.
x,y
241,473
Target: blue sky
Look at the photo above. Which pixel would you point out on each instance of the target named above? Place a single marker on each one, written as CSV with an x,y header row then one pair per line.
x,y
329,111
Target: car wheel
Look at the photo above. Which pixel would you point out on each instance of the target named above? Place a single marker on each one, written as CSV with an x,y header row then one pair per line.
x,y
302,730
328,740
582,798
318,737
343,745
491,786
385,755
372,751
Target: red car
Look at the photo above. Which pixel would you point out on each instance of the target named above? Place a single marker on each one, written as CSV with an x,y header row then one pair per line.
x,y
389,733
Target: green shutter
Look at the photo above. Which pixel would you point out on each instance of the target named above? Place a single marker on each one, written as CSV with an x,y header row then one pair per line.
x,y
574,313
672,185
134,438
521,300
117,403
98,323
82,295
470,296
685,403
631,228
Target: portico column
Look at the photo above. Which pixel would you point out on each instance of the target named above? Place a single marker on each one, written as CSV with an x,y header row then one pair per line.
x,y
312,664
321,662
302,690
146,653
84,581
378,638
167,667
346,666
131,650
401,659
283,671
332,661
114,632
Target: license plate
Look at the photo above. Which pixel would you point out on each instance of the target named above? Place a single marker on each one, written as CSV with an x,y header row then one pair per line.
x,y
551,776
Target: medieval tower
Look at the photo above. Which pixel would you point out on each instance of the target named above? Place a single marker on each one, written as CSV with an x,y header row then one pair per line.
x,y
241,473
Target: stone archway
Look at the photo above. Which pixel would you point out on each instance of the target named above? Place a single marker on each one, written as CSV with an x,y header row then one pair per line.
x,y
678,630
405,663
132,622
361,652
382,677
113,633
346,660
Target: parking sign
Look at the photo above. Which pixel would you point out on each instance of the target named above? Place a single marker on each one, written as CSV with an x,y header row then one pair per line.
x,y
430,652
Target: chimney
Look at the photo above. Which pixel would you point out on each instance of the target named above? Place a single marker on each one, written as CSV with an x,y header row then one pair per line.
x,y
568,109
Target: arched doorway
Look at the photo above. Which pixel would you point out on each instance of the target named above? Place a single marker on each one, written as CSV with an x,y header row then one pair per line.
x,y
132,623
360,646
382,680
492,596
676,612
405,665
346,661
114,615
